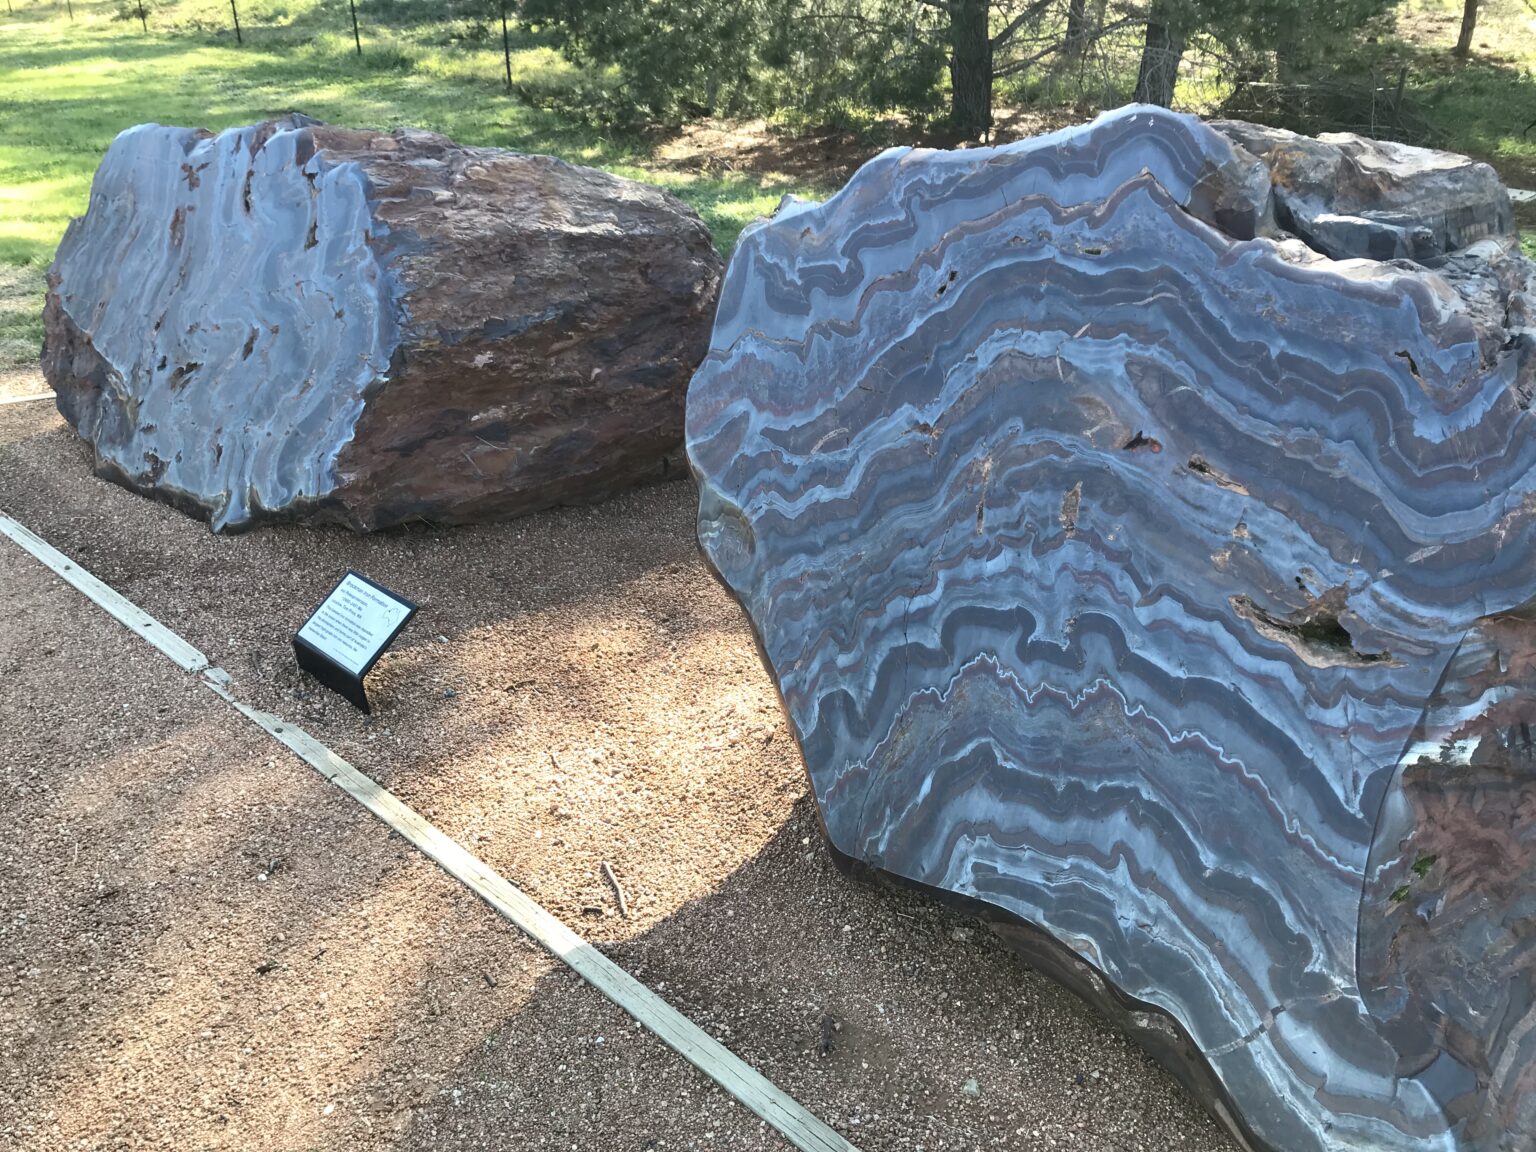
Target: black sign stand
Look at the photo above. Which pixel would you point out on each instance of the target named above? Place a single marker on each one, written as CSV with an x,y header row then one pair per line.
x,y
325,667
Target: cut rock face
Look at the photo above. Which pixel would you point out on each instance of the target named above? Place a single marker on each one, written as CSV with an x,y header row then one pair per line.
x,y
1163,588
293,320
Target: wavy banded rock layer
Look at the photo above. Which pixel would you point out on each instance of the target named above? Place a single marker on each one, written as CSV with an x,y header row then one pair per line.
x,y
294,320
1159,584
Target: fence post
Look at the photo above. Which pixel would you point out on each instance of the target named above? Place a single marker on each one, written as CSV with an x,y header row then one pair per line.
x,y
506,45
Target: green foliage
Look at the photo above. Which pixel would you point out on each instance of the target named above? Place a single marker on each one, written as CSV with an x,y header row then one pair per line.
x,y
677,58
67,88
594,96
827,61
1298,35
834,62
130,9
468,31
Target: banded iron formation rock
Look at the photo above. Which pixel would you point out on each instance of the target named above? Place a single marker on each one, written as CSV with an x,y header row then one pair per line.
x,y
1163,588
293,320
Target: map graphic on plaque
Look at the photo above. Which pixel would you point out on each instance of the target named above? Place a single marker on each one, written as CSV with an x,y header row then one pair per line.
x,y
347,634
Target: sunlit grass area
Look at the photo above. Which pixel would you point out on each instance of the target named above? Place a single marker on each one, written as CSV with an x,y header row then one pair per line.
x,y
70,83
1485,105
67,87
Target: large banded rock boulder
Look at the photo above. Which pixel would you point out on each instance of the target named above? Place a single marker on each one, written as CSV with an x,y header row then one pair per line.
x,y
1163,588
293,320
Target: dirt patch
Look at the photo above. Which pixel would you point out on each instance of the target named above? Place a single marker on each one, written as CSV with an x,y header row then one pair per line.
x,y
577,689
22,382
718,147
824,158
1434,32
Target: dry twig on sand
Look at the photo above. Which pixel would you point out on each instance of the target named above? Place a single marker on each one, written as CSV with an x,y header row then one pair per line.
x,y
617,890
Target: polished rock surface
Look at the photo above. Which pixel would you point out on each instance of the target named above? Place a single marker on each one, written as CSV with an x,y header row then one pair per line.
x,y
293,320
1164,590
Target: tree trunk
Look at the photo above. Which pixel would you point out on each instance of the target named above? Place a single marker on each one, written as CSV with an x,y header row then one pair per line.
x,y
1077,28
1159,72
1468,26
970,66
1287,70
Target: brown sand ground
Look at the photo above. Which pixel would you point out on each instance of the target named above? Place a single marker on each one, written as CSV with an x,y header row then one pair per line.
x,y
205,946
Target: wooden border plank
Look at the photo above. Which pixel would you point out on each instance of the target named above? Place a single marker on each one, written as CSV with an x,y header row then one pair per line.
x,y
124,611
28,399
754,1090
706,1053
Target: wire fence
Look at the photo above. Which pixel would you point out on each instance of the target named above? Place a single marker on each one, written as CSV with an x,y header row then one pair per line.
x,y
1372,106
371,26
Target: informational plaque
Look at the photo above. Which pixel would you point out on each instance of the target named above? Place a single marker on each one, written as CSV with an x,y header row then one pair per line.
x,y
347,634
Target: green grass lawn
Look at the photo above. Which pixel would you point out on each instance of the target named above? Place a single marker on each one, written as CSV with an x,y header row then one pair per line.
x,y
67,86
1482,106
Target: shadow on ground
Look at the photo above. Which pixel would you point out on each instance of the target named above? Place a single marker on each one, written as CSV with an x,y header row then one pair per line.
x,y
205,945
209,945
902,1023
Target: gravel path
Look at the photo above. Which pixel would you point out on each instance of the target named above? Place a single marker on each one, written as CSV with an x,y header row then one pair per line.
x,y
14,384
206,946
